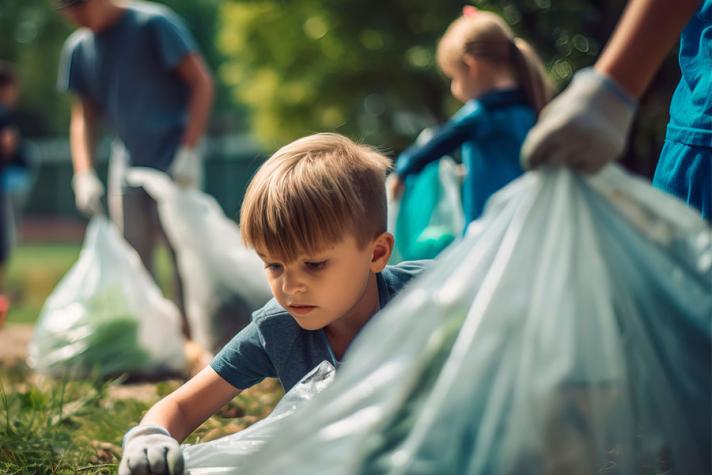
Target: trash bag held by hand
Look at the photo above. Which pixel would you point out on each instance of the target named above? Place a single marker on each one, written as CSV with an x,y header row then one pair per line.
x,y
228,454
569,332
107,316
429,215
223,281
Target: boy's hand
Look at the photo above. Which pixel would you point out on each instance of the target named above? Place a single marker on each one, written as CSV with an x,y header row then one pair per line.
x,y
149,449
585,127
185,168
88,191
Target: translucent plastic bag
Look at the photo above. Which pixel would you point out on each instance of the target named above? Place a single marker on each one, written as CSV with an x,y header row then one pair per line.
x,y
429,215
223,281
107,316
568,333
228,454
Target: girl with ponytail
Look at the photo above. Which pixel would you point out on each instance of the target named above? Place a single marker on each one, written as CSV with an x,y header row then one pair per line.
x,y
504,87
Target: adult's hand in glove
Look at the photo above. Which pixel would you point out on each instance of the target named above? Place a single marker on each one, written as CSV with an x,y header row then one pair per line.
x,y
149,449
186,167
88,191
585,127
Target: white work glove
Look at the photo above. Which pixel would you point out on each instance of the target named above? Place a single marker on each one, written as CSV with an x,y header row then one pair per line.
x,y
186,167
585,127
88,191
149,449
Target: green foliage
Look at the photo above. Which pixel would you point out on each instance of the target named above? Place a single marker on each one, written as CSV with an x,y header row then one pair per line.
x,y
366,67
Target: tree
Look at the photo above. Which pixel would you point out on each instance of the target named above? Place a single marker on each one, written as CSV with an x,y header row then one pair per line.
x,y
366,68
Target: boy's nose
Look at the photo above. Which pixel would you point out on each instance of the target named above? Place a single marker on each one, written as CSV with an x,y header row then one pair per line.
x,y
291,284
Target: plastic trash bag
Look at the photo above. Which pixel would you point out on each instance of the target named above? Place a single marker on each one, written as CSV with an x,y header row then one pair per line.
x,y
228,454
429,215
568,333
223,281
107,316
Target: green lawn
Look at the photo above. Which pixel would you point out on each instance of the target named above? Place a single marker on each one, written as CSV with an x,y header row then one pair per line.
x,y
67,426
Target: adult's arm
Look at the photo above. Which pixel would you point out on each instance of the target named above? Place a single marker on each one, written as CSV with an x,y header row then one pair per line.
x,y
645,34
193,71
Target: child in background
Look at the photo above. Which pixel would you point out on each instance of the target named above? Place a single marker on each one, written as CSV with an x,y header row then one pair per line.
x,y
9,151
504,86
315,213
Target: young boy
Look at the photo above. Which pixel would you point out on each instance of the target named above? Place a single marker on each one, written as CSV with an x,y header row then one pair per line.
x,y
315,213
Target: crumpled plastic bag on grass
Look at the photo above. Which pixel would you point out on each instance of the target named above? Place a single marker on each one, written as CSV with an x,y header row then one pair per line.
x,y
228,454
428,216
568,333
107,316
223,281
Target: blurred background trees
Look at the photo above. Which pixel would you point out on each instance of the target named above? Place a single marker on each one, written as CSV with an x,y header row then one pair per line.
x,y
365,68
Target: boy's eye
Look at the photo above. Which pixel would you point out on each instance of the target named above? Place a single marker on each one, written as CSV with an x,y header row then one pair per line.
x,y
315,265
273,267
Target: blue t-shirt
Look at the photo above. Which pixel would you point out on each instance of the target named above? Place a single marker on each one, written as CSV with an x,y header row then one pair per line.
x,y
685,165
274,345
128,72
490,130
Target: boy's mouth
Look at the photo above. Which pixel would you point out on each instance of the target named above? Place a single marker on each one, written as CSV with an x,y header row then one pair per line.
x,y
301,309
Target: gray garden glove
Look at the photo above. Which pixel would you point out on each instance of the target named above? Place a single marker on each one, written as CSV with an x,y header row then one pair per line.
x,y
186,168
88,191
585,127
150,449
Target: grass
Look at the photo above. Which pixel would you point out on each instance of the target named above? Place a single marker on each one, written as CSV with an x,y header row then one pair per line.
x,y
50,426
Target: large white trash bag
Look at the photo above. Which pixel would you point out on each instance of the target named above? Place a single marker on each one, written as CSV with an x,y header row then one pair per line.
x,y
223,281
568,333
228,454
107,316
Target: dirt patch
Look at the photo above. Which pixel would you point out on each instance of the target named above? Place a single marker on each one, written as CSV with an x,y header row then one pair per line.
x,y
14,340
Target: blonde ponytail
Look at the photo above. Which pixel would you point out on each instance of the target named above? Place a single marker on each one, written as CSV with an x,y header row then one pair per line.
x,y
531,75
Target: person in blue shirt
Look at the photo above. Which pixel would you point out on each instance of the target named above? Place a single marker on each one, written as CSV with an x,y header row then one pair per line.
x,y
685,165
315,213
587,125
136,67
503,84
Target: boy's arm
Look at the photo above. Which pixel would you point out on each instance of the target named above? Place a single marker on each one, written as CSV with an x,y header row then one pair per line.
x,y
153,446
88,190
586,126
182,411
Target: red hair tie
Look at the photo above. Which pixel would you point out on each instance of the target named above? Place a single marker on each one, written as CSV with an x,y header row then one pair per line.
x,y
469,10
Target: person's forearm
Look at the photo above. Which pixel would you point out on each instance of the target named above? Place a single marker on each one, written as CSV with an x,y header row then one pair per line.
x,y
199,106
644,35
167,413
81,138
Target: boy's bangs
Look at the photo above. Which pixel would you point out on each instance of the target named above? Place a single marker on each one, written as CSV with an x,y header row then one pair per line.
x,y
287,225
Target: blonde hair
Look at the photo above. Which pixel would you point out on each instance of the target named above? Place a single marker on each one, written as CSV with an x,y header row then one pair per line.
x,y
486,36
311,193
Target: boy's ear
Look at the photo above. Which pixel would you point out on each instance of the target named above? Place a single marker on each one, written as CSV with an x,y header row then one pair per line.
x,y
382,248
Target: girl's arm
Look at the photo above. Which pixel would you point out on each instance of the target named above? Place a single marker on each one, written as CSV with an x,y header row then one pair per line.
x,y
182,411
447,139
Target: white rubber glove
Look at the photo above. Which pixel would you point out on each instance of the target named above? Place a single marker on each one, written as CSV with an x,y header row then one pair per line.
x,y
88,191
150,449
187,167
585,127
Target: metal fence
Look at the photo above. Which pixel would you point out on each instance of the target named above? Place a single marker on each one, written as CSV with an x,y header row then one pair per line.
x,y
230,162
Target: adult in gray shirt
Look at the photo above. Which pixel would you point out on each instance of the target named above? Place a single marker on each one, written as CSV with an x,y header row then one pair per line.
x,y
137,68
